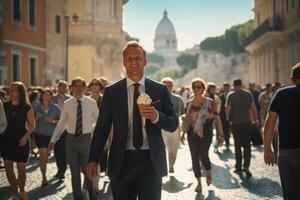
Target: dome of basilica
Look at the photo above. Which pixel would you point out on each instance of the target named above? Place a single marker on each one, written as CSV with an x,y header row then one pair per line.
x,y
165,28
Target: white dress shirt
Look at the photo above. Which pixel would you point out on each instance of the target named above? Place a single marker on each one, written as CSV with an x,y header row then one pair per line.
x,y
130,96
68,117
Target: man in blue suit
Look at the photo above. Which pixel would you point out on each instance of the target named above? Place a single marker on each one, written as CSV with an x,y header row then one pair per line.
x,y
137,159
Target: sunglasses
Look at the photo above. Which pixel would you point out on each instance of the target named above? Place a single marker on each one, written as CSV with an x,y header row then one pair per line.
x,y
197,86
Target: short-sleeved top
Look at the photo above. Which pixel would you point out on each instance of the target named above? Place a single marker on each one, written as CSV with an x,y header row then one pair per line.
x,y
286,103
43,128
240,102
16,116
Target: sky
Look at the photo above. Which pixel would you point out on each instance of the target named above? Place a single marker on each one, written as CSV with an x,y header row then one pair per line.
x,y
193,20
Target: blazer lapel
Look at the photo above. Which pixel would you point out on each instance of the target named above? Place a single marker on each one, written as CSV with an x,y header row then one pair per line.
x,y
124,105
148,90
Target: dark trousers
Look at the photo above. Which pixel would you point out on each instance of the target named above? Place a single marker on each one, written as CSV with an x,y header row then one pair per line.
x,y
289,171
242,138
60,154
199,148
137,178
226,131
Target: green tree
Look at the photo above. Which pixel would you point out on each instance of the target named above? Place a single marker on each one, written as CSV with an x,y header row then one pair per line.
x,y
155,58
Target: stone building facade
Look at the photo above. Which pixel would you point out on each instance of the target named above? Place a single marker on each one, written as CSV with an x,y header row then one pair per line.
x,y
274,46
96,41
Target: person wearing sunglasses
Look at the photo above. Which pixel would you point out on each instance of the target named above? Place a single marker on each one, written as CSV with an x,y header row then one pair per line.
x,y
201,112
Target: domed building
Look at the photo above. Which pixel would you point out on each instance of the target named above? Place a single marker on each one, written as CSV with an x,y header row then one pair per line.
x,y
165,42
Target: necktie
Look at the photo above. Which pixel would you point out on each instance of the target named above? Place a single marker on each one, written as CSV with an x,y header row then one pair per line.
x,y
137,120
78,130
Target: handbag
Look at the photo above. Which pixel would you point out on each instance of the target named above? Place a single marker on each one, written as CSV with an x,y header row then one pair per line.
x,y
256,137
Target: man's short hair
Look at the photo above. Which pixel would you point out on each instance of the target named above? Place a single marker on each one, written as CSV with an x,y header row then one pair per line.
x,y
78,79
237,82
61,83
296,72
133,44
167,79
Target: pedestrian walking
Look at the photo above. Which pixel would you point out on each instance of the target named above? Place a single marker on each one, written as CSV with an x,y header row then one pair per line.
x,y
201,112
78,117
239,105
225,122
285,106
172,140
60,149
15,147
137,158
47,116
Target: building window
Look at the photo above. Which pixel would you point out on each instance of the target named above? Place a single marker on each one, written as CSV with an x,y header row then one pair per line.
x,y
16,67
33,71
57,24
31,13
16,11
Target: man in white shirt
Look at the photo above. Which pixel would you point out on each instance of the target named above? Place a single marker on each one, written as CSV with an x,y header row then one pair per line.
x,y
172,141
78,117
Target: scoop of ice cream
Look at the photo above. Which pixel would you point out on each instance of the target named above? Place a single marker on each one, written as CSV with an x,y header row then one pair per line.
x,y
144,99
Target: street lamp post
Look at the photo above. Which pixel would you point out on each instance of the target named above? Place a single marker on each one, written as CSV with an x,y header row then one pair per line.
x,y
74,19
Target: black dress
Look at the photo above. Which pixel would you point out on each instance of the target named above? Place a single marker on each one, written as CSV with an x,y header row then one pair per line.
x,y
16,128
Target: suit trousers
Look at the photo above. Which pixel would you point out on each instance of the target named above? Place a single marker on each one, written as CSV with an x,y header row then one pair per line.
x,y
137,178
77,149
60,154
242,138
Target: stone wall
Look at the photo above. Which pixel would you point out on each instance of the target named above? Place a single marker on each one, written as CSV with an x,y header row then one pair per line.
x,y
217,68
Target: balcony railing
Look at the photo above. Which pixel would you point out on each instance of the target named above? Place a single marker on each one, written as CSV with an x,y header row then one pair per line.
x,y
271,24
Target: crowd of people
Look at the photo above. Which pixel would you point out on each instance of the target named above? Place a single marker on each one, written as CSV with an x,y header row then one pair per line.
x,y
86,124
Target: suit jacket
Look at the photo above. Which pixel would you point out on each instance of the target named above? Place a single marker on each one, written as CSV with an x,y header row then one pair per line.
x,y
114,110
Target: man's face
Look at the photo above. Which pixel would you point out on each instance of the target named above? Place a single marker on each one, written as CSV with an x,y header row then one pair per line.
x,y
134,61
62,89
169,85
226,88
78,88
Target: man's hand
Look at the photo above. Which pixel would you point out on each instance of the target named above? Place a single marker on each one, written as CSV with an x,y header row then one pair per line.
x,y
269,158
91,170
147,111
51,146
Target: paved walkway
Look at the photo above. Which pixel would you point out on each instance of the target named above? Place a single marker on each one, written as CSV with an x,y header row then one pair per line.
x,y
264,184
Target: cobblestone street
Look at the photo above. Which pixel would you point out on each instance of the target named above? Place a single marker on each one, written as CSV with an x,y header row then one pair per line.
x,y
264,184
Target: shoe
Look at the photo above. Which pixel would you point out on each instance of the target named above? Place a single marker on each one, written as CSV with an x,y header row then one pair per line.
x,y
247,172
198,189
238,172
23,196
208,177
171,170
44,183
59,176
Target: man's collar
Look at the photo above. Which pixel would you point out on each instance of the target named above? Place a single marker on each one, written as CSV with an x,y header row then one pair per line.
x,y
130,82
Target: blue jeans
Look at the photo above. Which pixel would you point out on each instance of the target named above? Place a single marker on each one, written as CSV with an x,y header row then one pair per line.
x,y
289,171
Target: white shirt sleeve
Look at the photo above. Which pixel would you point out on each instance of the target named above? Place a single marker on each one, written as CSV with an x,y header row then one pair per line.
x,y
61,126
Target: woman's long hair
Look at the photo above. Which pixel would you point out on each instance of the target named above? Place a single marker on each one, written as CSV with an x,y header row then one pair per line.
x,y
23,98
